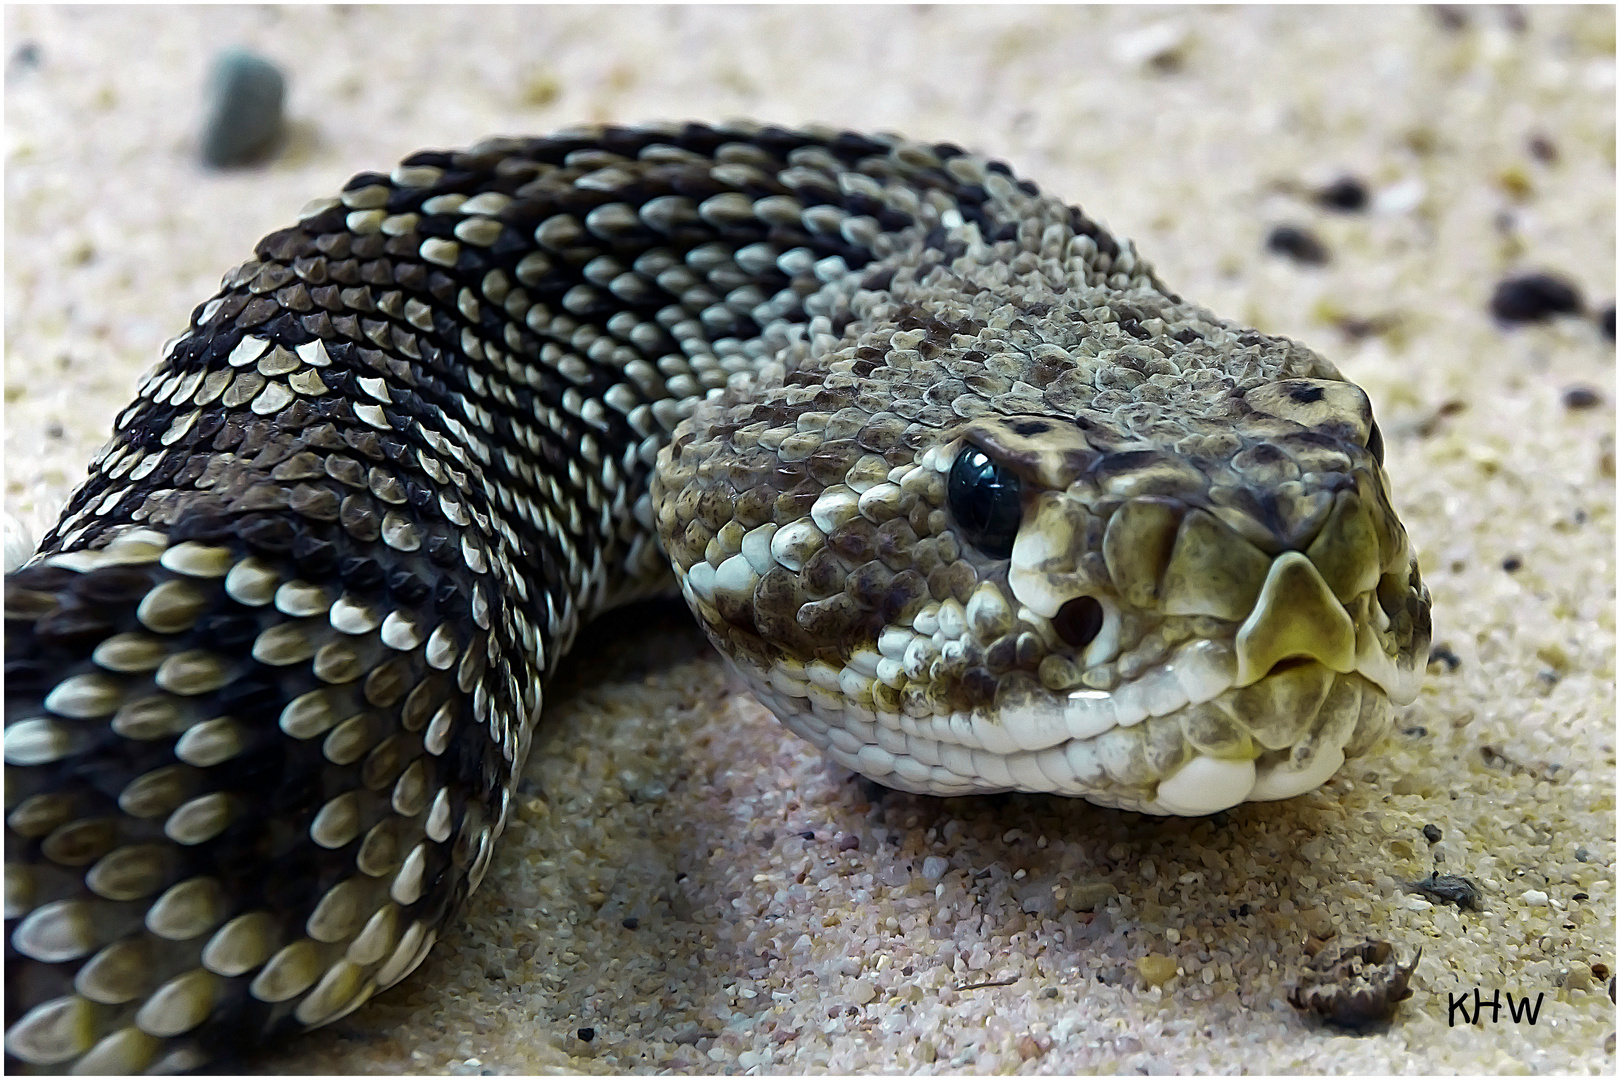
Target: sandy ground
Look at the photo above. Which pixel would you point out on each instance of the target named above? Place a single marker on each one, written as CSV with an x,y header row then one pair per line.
x,y
687,887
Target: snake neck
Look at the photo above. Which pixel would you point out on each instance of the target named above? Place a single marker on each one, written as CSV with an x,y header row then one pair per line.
x,y
474,359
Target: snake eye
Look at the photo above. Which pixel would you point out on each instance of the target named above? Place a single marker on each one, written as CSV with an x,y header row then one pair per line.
x,y
986,500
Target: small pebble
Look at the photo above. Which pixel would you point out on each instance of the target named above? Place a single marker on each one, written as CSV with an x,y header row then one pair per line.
x,y
1346,193
1582,855
1535,898
631,923
1452,17
1317,920
1512,564
861,991
1582,397
934,867
849,842
1090,896
1401,198
1515,182
587,1033
24,57
1297,244
1605,320
1534,298
1156,970
244,118
1432,833
1543,149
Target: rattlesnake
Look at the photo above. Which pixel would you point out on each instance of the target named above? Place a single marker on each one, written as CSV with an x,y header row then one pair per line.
x,y
967,496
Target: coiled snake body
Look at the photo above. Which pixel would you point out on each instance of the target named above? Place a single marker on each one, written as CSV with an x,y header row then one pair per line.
x,y
970,500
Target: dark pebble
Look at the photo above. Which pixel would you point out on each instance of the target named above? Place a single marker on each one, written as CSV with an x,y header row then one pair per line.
x,y
1533,298
1346,193
1605,320
587,1034
1543,149
1512,564
631,923
1297,244
807,835
1600,969
1443,655
1451,17
1582,397
1417,731
25,57
1447,889
1582,855
1578,897
849,842
244,119
1432,833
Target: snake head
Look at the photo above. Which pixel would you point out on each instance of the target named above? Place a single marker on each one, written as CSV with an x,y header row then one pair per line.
x,y
1161,574
1259,605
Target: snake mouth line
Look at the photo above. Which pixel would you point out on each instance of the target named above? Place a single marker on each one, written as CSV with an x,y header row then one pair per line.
x,y
1267,711
1180,739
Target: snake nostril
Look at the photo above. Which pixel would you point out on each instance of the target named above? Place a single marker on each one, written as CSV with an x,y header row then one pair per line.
x,y
1289,663
1078,621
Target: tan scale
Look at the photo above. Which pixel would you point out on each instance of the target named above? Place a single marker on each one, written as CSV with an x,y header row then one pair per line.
x,y
970,499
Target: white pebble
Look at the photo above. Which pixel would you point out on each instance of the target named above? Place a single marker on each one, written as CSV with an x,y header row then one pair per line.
x,y
934,867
